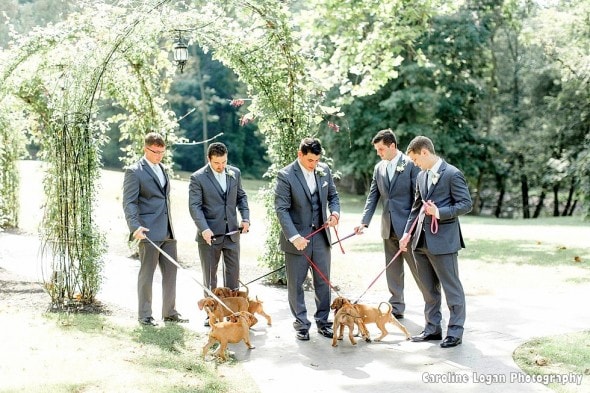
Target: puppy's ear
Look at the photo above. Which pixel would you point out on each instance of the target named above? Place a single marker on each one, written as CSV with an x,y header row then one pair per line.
x,y
200,303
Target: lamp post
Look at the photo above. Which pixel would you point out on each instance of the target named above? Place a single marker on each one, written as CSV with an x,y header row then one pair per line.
x,y
180,52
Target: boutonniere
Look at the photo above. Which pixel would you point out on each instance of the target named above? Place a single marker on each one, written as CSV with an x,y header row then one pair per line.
x,y
320,172
231,174
435,178
401,166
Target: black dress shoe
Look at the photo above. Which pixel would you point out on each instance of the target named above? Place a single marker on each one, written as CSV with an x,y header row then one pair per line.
x,y
326,331
398,316
302,335
206,323
148,321
175,318
450,342
426,337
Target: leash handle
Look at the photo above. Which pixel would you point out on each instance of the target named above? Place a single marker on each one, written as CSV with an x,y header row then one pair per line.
x,y
433,221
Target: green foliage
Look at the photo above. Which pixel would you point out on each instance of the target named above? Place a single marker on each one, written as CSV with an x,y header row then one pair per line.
x,y
556,355
10,151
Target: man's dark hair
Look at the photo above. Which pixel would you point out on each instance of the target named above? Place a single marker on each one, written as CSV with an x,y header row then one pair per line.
x,y
154,139
418,143
216,149
311,145
386,136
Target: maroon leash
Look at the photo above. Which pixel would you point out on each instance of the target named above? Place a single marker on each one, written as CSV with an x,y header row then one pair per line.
x,y
314,266
433,228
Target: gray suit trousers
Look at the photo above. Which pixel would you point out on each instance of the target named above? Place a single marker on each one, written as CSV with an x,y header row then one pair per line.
x,y
436,271
210,256
151,258
297,267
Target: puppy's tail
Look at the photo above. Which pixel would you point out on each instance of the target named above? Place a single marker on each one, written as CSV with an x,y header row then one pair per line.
x,y
388,307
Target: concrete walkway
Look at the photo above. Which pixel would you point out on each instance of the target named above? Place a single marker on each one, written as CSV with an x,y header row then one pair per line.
x,y
497,323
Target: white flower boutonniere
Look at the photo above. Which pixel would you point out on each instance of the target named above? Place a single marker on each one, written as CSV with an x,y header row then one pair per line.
x,y
401,166
320,172
435,178
231,174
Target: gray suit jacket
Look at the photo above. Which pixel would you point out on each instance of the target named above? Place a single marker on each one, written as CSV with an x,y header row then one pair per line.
x,y
451,196
293,203
211,208
145,202
396,196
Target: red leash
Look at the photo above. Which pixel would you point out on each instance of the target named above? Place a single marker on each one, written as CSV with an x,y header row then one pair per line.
x,y
313,265
317,269
433,229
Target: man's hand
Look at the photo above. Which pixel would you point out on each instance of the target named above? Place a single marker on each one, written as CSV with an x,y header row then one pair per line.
x,y
139,233
359,229
245,227
332,220
403,243
207,235
430,208
300,243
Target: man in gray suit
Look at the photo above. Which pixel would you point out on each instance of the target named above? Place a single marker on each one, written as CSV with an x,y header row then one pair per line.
x,y
304,191
442,195
146,203
215,196
394,182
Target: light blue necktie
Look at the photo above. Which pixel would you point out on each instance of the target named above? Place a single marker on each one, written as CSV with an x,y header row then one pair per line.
x,y
221,180
390,170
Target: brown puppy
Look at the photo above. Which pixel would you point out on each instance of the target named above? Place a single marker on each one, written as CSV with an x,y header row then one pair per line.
x,y
233,331
223,292
376,315
235,304
255,307
347,315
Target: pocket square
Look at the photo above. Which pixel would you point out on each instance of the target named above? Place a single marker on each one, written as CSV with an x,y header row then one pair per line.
x,y
324,184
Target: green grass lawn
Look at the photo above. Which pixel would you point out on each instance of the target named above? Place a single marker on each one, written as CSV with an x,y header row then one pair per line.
x,y
526,252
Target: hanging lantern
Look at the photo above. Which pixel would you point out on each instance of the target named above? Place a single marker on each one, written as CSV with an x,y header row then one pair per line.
x,y
180,52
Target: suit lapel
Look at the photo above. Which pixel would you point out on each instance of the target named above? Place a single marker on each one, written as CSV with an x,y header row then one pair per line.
x,y
439,174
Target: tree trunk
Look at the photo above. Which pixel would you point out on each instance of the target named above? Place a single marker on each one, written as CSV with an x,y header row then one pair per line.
x,y
573,207
568,203
539,206
500,201
477,198
556,200
204,108
524,187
